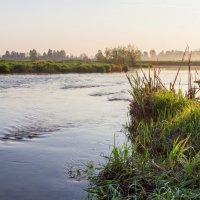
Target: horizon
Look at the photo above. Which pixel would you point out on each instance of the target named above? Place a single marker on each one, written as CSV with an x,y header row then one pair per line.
x,y
103,51
85,27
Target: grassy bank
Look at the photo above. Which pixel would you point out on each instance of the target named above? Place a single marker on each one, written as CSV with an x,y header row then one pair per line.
x,y
58,67
162,158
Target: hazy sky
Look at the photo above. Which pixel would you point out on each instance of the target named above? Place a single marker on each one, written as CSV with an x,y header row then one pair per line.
x,y
88,25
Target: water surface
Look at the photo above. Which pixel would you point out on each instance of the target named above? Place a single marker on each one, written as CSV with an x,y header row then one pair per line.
x,y
50,122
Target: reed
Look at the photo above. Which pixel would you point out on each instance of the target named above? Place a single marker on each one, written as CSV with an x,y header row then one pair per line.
x,y
161,159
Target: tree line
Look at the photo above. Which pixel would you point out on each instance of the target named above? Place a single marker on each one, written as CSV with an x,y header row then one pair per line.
x,y
34,55
123,55
170,55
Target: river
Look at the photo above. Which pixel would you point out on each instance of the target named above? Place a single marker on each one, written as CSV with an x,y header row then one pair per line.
x,y
51,122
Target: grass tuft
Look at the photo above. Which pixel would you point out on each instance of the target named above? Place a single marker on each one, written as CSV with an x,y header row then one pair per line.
x,y
162,158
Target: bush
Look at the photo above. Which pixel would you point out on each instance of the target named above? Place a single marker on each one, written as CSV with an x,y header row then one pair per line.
x,y
100,69
71,66
4,68
21,68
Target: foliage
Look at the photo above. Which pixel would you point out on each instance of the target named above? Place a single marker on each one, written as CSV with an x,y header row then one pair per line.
x,y
162,158
99,56
33,55
70,66
125,55
4,68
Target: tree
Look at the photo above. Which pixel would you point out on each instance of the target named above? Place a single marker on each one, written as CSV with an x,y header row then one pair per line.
x,y
124,55
50,54
55,55
33,55
83,56
7,54
152,53
134,55
99,56
145,55
161,55
62,54
44,55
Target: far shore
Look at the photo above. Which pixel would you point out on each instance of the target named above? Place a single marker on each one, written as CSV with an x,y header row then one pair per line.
x,y
58,67
170,63
88,66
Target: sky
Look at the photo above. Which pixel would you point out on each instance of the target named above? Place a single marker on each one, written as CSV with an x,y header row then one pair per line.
x,y
79,26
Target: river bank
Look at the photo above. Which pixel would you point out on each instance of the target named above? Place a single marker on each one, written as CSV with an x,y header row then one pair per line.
x,y
162,156
169,64
55,67
75,66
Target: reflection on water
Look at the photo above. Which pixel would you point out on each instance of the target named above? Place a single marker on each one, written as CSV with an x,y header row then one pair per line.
x,y
29,130
59,120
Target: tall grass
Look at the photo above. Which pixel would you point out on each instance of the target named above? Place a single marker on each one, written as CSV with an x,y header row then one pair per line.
x,y
162,157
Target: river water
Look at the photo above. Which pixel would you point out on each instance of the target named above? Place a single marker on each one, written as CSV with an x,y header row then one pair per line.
x,y
51,122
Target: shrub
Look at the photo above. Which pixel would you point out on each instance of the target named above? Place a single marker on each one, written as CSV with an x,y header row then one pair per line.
x,y
71,66
4,68
21,68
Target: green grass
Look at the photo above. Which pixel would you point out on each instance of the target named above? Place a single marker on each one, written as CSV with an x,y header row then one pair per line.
x,y
69,66
162,157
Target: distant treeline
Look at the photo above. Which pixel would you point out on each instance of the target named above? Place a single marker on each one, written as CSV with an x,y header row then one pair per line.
x,y
151,63
70,66
171,55
116,59
35,55
122,55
